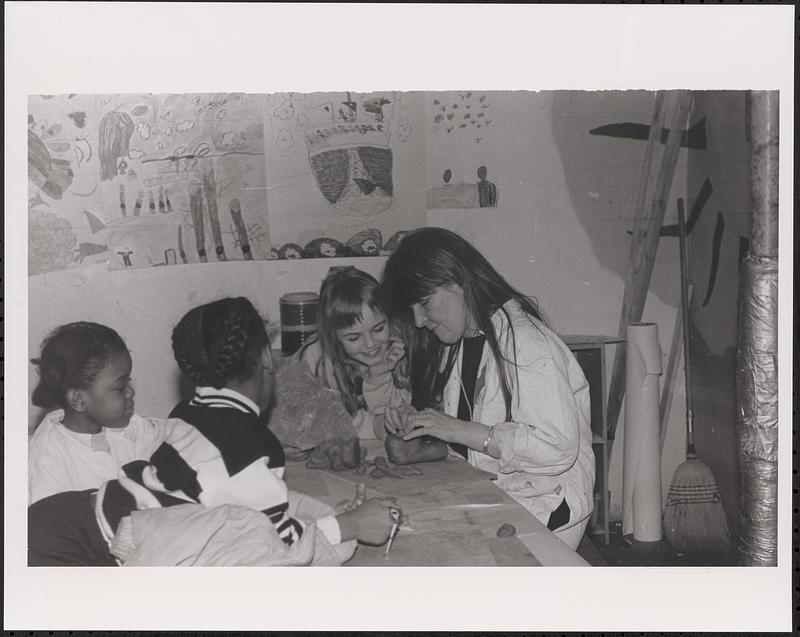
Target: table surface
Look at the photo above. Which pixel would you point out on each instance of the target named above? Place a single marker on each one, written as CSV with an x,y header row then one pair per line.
x,y
452,512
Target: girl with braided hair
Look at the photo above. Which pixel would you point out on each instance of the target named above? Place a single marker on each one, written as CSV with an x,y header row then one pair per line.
x,y
218,449
91,430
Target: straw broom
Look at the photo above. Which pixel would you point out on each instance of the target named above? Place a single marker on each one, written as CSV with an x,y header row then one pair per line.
x,y
694,519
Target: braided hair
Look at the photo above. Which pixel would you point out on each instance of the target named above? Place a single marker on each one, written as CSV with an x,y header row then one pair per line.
x,y
220,342
72,356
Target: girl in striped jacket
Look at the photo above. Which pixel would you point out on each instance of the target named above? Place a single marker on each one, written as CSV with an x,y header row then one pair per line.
x,y
218,449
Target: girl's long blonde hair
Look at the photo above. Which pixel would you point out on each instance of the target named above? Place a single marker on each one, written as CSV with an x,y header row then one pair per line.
x,y
342,297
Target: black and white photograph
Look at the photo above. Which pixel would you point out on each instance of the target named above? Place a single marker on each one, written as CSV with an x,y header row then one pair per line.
x,y
442,297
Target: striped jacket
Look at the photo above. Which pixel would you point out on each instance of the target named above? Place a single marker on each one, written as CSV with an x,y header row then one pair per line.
x,y
219,451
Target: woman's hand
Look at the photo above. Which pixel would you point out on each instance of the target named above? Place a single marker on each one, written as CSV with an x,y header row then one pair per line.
x,y
395,351
398,420
430,422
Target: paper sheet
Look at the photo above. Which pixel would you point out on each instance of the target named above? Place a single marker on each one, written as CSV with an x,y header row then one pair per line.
x,y
641,472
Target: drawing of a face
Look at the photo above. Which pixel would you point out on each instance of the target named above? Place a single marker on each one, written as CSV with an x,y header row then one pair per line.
x,y
366,341
444,313
290,251
327,250
369,247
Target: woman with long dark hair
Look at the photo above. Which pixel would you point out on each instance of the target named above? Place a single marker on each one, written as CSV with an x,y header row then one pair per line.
x,y
491,379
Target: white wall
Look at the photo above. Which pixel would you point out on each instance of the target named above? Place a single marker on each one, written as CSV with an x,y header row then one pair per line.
x,y
144,304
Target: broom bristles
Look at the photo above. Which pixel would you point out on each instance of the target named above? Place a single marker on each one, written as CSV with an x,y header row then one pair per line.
x,y
694,519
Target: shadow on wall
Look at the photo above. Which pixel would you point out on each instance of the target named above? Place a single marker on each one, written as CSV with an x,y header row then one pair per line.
x,y
603,168
601,138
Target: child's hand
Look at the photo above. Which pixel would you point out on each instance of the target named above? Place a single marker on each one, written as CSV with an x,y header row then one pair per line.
x,y
395,351
369,523
399,420
379,426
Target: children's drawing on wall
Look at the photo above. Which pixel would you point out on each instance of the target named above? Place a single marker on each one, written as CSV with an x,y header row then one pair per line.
x,y
340,164
468,113
481,194
146,180
190,177
366,243
62,183
462,150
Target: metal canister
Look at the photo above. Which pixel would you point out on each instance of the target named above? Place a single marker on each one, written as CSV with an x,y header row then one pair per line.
x,y
298,319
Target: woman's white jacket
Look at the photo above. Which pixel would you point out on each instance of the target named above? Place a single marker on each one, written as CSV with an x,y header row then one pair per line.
x,y
546,447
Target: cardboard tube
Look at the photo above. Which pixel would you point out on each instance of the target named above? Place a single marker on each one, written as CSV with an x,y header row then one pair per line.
x,y
641,472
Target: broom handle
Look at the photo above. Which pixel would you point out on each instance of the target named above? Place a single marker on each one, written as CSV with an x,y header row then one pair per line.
x,y
687,374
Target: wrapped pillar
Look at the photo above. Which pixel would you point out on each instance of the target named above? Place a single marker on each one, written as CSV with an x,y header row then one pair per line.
x,y
757,347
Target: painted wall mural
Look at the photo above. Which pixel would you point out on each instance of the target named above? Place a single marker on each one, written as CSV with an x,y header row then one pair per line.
x,y
143,180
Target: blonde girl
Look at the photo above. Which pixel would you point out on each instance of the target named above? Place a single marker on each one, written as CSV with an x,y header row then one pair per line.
x,y
357,351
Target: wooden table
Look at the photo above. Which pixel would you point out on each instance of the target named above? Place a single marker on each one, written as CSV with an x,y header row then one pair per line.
x,y
453,511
